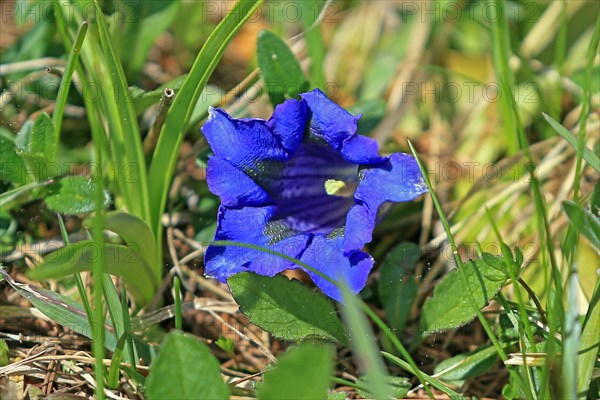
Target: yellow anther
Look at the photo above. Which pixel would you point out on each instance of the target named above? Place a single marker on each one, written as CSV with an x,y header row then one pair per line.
x,y
334,187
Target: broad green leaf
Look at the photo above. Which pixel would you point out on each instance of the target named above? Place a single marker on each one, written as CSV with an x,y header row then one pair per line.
x,y
74,195
584,222
138,236
301,373
60,309
119,260
468,365
286,309
400,387
186,368
450,306
280,70
12,167
397,284
176,123
588,154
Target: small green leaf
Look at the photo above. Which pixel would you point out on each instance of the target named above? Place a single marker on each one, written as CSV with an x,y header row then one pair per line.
x,y
287,309
74,195
4,353
24,136
584,222
37,147
12,167
142,99
397,284
280,70
450,306
302,373
225,344
42,137
588,154
184,366
468,365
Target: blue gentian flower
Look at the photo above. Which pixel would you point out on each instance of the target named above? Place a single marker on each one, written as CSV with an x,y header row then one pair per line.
x,y
305,184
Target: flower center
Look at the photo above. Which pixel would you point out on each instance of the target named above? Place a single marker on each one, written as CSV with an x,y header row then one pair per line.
x,y
312,191
333,187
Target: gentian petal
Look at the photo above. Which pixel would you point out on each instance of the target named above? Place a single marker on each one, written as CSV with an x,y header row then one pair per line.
x,y
396,179
250,225
328,120
288,123
245,143
326,256
361,150
233,186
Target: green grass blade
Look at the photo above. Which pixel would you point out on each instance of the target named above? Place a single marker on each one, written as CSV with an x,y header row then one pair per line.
x,y
589,344
113,303
363,343
432,381
177,287
78,280
13,194
98,283
113,371
169,141
103,71
588,154
128,327
139,202
61,309
592,54
65,83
